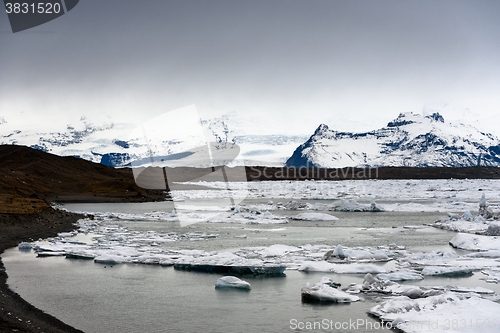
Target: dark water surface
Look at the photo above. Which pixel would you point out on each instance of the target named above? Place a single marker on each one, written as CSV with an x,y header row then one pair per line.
x,y
142,298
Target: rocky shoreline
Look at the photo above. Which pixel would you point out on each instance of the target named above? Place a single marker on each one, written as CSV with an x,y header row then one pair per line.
x,y
17,315
30,181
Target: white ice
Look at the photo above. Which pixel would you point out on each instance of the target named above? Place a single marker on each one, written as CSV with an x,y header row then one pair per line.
x,y
232,282
314,217
324,291
449,312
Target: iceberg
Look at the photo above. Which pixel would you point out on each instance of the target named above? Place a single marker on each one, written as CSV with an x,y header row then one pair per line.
x,y
325,291
314,217
440,313
232,282
402,275
475,242
356,254
24,246
323,266
493,229
446,271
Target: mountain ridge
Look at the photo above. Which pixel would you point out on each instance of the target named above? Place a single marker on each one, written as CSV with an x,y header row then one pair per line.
x,y
410,140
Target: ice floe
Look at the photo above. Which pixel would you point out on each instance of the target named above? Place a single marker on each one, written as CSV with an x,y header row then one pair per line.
x,y
475,242
398,195
356,254
446,271
484,223
323,266
25,246
326,291
440,313
401,275
232,282
314,217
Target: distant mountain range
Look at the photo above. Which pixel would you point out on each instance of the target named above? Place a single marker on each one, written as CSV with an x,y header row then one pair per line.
x,y
109,143
411,140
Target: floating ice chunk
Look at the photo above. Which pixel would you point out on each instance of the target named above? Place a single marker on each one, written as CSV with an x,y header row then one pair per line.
x,y
476,290
326,291
483,208
353,206
355,254
375,208
413,292
482,201
50,253
374,284
461,225
494,229
278,250
173,214
255,210
348,206
337,253
479,218
426,315
232,282
380,255
67,234
361,255
314,217
108,259
25,246
317,266
485,254
84,255
492,275
475,242
323,266
446,271
467,216
237,209
403,275
240,236
414,227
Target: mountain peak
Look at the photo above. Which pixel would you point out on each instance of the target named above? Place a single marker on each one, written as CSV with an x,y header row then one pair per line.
x,y
428,142
402,119
321,129
436,117
407,118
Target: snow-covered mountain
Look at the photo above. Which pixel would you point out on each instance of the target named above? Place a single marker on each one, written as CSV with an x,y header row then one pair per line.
x,y
409,140
103,140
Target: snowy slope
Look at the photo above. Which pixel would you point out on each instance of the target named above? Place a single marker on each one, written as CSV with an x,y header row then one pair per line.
x,y
103,140
410,140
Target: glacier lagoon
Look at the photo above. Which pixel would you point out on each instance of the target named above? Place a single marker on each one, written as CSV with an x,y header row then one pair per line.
x,y
130,297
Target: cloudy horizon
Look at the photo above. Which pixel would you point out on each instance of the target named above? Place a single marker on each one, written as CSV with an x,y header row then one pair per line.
x,y
286,65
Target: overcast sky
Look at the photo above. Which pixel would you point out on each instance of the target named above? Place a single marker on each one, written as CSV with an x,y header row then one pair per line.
x,y
295,64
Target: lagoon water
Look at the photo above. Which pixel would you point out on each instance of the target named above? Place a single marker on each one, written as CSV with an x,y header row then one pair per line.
x,y
150,298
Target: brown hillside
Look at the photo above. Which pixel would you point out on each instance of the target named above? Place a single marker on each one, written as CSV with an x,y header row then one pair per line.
x,y
29,178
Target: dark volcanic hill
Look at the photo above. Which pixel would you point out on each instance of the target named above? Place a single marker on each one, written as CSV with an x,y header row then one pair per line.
x,y
29,178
